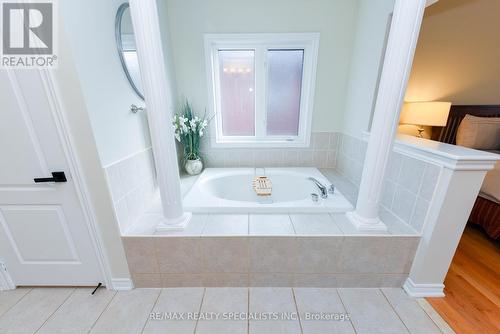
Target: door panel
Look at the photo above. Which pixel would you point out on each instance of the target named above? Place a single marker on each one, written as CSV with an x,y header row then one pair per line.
x,y
44,238
16,126
30,228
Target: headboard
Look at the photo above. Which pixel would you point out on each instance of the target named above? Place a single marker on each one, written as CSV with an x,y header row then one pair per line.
x,y
448,133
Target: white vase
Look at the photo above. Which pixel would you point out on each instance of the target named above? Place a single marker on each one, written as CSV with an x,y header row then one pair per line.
x,y
193,167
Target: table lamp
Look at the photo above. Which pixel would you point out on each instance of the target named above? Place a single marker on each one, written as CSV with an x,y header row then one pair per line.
x,y
425,114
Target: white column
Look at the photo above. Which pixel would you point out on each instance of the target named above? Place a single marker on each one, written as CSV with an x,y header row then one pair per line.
x,y
159,104
405,27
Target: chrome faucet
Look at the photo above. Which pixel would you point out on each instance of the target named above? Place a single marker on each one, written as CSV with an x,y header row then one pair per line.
x,y
321,187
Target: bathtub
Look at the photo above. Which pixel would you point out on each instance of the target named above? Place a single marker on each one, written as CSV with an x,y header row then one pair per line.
x,y
229,190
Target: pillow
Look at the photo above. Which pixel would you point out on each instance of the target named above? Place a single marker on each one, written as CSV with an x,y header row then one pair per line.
x,y
482,133
491,183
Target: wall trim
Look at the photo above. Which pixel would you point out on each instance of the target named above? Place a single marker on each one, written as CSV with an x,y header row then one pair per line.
x,y
53,96
121,284
423,290
445,155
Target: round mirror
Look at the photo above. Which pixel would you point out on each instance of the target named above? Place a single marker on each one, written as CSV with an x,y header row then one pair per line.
x,y
126,48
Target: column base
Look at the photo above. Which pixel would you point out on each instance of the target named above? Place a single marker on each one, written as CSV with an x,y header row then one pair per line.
x,y
365,224
177,224
417,290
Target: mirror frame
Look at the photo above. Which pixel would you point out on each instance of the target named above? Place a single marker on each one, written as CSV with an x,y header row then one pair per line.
x,y
118,36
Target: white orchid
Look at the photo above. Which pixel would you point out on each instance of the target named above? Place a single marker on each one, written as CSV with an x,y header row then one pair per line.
x,y
188,129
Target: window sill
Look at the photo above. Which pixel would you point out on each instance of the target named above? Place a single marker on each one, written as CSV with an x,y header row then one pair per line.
x,y
260,144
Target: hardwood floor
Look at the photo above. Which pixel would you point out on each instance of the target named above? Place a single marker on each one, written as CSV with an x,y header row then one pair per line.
x,y
472,286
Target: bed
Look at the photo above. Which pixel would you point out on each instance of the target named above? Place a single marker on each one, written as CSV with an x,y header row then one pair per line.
x,y
486,210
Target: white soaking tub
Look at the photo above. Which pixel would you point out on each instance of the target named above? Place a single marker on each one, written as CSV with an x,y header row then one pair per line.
x,y
229,190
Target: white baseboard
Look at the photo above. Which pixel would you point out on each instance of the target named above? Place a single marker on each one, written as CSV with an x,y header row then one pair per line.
x,y
423,290
121,284
6,282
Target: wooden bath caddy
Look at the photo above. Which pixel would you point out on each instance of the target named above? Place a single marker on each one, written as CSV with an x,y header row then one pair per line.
x,y
262,186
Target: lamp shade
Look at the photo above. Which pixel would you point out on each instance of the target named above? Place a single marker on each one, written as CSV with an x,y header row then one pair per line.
x,y
425,113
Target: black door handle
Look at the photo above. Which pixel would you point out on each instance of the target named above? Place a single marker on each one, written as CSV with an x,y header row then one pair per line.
x,y
56,177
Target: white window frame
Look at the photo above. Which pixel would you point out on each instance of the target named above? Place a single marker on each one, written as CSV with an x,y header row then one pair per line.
x,y
309,42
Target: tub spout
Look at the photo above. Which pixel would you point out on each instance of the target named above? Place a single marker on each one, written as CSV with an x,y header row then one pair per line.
x,y
321,187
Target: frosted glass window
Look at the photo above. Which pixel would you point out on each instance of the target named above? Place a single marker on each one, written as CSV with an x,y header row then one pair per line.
x,y
284,83
237,92
261,88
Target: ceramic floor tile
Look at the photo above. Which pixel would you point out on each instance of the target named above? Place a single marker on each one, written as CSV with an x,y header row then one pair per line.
x,y
29,314
221,327
322,327
313,303
274,327
220,302
313,300
261,224
225,300
62,310
413,316
314,224
281,303
180,300
10,297
177,300
167,327
78,313
370,312
226,225
127,312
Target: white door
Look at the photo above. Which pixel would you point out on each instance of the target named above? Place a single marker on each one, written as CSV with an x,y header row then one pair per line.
x,y
44,238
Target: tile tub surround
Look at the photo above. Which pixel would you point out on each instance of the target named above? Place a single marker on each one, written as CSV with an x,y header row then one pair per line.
x,y
132,184
321,153
409,186
350,157
319,256
409,183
